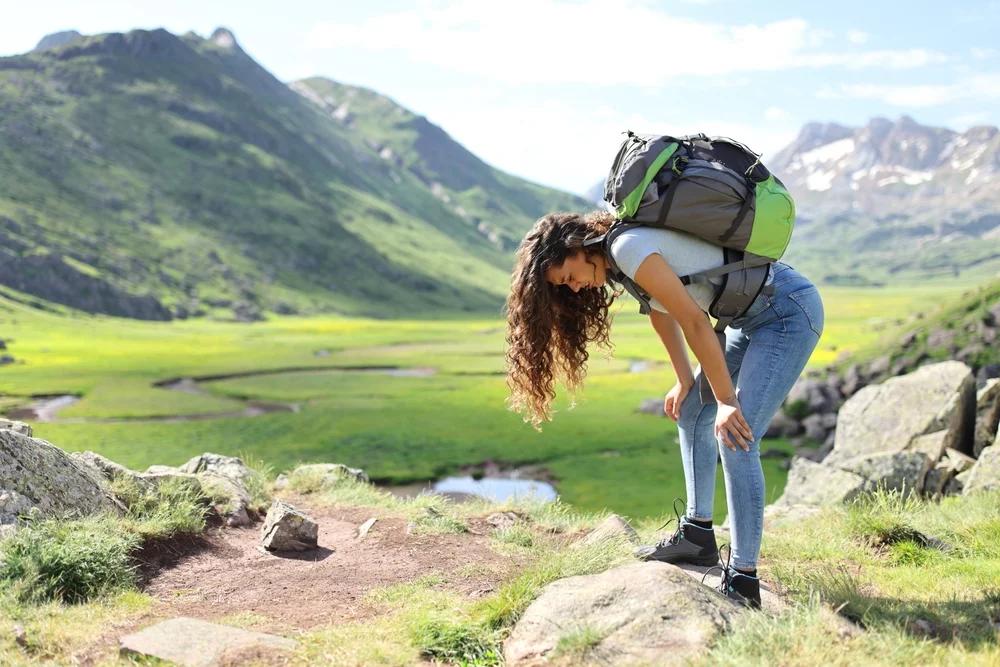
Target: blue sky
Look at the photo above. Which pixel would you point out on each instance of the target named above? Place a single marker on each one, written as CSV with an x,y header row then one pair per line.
x,y
542,88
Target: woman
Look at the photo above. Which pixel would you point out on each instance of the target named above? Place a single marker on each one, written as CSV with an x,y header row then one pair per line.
x,y
559,302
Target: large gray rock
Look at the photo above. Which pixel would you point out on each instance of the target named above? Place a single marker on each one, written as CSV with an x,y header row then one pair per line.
x,y
812,483
887,418
49,479
189,641
226,466
819,426
288,529
987,415
645,613
104,467
985,475
220,478
16,426
899,471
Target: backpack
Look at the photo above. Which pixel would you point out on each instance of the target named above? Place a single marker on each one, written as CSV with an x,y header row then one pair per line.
x,y
714,188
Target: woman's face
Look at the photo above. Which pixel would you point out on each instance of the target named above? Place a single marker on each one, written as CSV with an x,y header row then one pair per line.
x,y
579,272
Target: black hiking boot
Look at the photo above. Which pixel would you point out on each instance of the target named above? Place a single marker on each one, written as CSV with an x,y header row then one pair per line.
x,y
689,544
736,585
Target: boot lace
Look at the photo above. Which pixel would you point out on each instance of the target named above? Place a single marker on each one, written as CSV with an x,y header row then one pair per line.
x,y
727,573
676,537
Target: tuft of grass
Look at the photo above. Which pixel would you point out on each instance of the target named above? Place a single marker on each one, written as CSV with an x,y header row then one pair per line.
x,y
883,518
70,561
517,535
909,552
172,507
577,645
258,482
456,642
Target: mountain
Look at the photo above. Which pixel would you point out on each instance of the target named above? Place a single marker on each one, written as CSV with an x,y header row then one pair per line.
x,y
893,200
57,39
153,175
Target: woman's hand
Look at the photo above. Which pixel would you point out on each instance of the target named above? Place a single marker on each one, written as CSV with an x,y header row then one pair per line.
x,y
672,405
730,426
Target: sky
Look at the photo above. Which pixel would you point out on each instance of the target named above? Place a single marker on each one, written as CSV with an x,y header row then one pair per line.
x,y
544,88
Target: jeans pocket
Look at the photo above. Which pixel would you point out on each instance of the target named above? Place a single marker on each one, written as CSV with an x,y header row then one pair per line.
x,y
809,301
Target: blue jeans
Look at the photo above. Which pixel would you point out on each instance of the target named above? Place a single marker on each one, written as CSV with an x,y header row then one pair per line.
x,y
766,350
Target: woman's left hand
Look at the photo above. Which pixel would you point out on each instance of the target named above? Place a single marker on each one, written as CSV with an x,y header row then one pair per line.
x,y
730,425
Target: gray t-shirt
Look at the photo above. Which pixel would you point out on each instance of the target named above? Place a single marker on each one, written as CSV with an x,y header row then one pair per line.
x,y
685,253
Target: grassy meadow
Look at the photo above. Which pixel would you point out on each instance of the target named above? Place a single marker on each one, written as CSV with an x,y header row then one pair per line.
x,y
601,454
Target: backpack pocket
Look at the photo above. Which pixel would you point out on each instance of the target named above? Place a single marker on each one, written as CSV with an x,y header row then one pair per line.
x,y
773,220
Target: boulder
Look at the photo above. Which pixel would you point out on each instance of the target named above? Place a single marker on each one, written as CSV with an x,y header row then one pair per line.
x,y
985,475
782,426
288,529
853,381
502,520
933,444
104,467
643,613
190,641
331,473
226,466
35,472
812,483
819,426
16,426
612,528
955,485
817,455
897,471
818,395
220,478
887,418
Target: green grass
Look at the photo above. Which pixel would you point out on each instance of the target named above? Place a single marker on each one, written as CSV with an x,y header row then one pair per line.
x,y
601,454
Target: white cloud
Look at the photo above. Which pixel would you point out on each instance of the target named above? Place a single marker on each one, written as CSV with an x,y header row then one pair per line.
x,y
857,36
983,54
979,87
542,41
776,113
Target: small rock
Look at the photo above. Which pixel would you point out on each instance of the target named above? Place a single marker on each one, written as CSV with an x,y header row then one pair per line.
x,y
281,482
782,426
812,483
365,527
20,636
959,462
502,520
288,529
652,406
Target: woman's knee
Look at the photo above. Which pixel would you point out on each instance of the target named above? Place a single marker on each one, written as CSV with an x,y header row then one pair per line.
x,y
693,409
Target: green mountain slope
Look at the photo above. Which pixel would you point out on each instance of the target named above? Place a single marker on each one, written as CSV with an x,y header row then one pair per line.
x,y
495,202
151,175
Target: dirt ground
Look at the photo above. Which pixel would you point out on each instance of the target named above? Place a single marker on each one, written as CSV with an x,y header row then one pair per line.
x,y
226,573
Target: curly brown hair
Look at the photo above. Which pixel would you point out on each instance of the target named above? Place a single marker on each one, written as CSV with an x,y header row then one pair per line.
x,y
549,326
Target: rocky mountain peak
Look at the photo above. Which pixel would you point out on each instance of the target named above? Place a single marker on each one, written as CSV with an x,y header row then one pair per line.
x,y
224,38
57,39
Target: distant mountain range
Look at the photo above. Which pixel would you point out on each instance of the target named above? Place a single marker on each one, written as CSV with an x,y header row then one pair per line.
x,y
892,201
157,176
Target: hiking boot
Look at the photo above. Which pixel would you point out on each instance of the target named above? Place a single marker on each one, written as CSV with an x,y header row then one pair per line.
x,y
690,543
738,586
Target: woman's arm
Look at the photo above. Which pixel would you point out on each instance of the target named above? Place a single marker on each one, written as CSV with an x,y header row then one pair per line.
x,y
656,277
673,339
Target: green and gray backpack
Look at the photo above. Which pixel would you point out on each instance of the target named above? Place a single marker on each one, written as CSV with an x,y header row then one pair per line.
x,y
714,188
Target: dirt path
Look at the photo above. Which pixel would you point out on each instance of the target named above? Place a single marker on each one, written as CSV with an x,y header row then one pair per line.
x,y
226,574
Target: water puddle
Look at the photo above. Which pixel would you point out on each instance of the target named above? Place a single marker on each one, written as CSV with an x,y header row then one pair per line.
x,y
492,488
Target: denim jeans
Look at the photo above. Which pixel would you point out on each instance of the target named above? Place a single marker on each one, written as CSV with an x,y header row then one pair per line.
x,y
766,350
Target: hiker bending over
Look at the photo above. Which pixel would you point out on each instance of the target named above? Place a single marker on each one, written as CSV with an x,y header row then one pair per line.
x,y
559,302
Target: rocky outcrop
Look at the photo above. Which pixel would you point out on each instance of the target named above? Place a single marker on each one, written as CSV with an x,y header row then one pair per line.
x,y
637,614
911,433
987,415
16,426
38,476
888,418
288,529
330,473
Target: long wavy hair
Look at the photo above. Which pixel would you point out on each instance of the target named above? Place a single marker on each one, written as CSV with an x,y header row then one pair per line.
x,y
549,326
